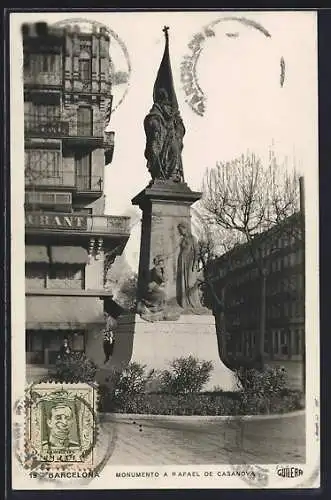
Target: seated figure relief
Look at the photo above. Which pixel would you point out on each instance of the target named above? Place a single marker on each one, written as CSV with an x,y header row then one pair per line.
x,y
153,305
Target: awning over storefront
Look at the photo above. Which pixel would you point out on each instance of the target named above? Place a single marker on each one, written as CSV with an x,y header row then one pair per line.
x,y
57,313
36,254
68,255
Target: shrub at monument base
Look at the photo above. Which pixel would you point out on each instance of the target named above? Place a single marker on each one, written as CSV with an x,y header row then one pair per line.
x,y
127,387
73,368
204,404
186,375
260,391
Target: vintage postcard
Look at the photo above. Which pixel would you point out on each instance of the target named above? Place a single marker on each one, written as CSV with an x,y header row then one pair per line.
x,y
164,187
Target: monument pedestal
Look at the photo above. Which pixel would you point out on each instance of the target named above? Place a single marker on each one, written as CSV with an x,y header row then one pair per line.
x,y
157,344
164,205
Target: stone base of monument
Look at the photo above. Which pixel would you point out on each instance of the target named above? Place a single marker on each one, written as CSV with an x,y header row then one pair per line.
x,y
157,344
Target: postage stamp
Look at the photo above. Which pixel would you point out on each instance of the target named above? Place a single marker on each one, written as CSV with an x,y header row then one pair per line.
x,y
61,428
58,435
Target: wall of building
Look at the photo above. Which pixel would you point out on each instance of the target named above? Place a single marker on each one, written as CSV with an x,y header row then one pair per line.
x,y
80,69
237,282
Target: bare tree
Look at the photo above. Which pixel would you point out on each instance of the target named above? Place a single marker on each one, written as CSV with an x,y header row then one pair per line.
x,y
251,202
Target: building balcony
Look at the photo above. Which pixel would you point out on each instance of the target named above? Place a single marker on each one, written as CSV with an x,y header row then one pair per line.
x,y
49,199
35,127
78,225
75,183
87,183
41,79
72,131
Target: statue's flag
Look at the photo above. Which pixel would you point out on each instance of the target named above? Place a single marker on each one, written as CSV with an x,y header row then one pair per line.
x,y
164,84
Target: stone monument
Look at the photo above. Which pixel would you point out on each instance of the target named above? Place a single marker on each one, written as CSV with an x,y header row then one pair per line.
x,y
170,320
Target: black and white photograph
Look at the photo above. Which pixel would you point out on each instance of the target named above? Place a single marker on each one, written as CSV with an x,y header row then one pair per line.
x,y
164,249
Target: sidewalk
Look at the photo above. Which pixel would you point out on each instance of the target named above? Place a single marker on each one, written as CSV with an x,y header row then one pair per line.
x,y
186,441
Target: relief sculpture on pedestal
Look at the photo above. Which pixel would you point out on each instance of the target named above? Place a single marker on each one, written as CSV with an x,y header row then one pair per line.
x,y
188,272
152,306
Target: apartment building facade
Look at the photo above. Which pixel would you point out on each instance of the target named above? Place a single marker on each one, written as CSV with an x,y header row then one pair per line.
x,y
70,242
236,281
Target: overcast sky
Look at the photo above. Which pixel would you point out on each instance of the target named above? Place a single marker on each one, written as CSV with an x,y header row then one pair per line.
x,y
240,75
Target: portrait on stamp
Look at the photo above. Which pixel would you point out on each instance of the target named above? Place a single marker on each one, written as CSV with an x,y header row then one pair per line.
x,y
60,429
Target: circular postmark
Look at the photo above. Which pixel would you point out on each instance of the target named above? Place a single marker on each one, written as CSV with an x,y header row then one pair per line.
x,y
120,64
195,95
58,434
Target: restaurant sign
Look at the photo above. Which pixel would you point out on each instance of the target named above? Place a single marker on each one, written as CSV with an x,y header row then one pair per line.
x,y
56,221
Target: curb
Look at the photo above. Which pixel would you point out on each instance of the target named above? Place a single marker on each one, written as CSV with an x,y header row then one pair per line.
x,y
197,418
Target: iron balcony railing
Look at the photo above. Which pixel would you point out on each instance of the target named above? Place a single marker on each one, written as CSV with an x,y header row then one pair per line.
x,y
89,183
45,126
48,199
79,183
43,78
56,126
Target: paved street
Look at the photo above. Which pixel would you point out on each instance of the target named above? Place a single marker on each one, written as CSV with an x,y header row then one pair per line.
x,y
165,442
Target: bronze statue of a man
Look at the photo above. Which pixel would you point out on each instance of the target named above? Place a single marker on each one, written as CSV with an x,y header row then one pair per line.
x,y
164,130
163,125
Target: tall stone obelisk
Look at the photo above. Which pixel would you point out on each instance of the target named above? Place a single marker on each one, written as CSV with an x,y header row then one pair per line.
x,y
170,320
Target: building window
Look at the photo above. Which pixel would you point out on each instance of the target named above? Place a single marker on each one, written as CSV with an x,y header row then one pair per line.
x,y
266,344
48,62
35,275
85,70
43,166
300,282
34,347
45,113
66,276
42,63
43,347
292,259
296,341
297,309
276,342
286,309
83,163
39,276
85,66
84,121
82,210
